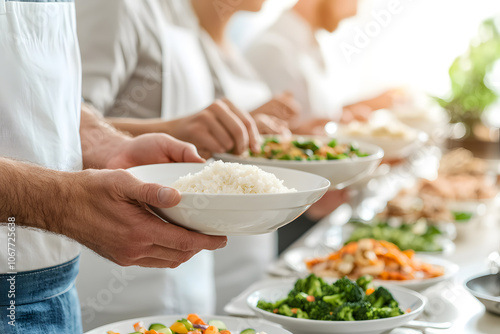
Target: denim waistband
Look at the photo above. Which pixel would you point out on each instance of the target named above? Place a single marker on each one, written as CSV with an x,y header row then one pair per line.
x,y
37,285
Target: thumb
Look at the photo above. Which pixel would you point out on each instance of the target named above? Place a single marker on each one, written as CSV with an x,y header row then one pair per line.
x,y
156,195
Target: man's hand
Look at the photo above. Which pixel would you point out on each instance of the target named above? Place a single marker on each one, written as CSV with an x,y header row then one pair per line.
x,y
103,210
283,106
154,148
269,125
218,129
105,147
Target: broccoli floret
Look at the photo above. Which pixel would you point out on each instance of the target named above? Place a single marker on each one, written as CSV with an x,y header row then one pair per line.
x,y
298,301
382,298
386,312
266,306
329,289
344,313
335,300
285,310
352,292
320,310
301,314
363,311
354,311
310,285
365,282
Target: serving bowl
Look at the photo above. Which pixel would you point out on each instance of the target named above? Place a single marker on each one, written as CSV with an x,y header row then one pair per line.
x,y
341,173
229,214
486,288
406,298
235,325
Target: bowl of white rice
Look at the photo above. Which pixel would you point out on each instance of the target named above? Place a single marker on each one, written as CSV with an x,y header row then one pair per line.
x,y
232,199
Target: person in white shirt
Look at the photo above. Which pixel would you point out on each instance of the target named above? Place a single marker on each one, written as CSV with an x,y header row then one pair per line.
x,y
47,203
235,79
288,56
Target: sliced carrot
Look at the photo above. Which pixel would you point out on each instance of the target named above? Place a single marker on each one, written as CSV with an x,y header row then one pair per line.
x,y
310,298
211,330
138,325
370,291
225,332
195,319
151,331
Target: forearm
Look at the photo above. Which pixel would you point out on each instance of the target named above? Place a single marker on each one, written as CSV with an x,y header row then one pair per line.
x,y
32,194
100,140
137,127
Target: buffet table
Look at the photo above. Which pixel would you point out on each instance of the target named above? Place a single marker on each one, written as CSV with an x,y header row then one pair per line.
x,y
448,301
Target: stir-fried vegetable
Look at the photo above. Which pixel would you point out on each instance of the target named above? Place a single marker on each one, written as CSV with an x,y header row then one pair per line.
x,y
381,259
193,324
417,237
307,150
344,300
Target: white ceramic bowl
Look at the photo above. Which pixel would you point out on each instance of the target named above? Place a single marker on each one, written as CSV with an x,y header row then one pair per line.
x,y
295,258
340,173
406,298
227,214
235,325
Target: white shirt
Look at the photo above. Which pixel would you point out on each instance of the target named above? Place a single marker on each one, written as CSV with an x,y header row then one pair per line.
x,y
40,101
289,57
233,76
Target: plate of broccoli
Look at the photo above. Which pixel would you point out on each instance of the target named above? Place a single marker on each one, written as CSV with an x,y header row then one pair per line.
x,y
310,305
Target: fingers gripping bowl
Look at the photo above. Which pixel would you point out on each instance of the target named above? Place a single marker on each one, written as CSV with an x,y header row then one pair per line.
x,y
235,213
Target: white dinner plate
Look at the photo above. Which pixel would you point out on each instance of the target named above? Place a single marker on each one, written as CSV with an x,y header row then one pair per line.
x,y
235,325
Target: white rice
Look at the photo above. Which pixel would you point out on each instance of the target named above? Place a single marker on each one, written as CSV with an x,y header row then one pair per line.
x,y
231,178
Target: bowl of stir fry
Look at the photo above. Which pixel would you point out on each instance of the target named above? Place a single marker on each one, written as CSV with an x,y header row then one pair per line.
x,y
342,163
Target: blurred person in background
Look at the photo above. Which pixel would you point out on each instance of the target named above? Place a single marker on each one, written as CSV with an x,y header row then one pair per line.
x,y
289,56
147,75
235,79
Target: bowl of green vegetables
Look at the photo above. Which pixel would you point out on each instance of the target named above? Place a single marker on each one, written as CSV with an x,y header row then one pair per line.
x,y
341,162
310,305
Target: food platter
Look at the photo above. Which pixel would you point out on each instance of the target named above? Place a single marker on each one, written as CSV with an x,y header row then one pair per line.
x,y
234,324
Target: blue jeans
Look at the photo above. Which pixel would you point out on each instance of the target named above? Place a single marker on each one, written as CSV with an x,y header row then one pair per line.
x,y
46,301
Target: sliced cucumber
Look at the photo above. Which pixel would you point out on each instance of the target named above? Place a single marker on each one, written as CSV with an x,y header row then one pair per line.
x,y
156,327
249,331
219,324
165,330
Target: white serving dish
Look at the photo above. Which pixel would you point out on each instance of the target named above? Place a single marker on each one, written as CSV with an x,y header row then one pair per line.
x,y
295,258
340,173
406,298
